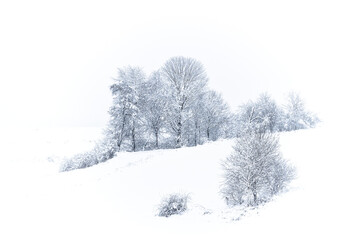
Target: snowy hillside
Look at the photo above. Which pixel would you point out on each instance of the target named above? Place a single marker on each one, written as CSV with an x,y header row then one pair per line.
x,y
118,199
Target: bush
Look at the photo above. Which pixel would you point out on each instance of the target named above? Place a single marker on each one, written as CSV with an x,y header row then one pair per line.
x,y
102,152
255,171
173,204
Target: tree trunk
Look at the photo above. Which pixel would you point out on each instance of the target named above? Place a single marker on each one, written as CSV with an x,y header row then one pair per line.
x,y
199,135
179,132
195,134
157,139
254,192
133,137
255,198
178,139
121,134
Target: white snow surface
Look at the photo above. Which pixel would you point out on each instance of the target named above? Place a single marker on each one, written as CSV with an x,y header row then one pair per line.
x,y
118,199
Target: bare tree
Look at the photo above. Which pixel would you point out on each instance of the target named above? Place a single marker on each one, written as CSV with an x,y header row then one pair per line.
x,y
217,115
256,170
261,116
269,112
194,125
124,113
187,78
296,117
155,104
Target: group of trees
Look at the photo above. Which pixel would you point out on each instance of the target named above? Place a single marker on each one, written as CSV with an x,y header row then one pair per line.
x,y
265,115
173,107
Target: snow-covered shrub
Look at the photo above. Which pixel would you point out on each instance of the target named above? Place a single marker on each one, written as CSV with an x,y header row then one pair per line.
x,y
102,152
255,171
173,204
78,161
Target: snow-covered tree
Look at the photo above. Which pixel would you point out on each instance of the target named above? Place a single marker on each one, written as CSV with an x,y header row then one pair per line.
x,y
216,115
269,112
210,118
193,127
187,79
256,170
155,104
296,117
124,113
261,116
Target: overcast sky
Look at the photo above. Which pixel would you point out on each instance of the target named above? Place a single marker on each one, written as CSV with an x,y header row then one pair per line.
x,y
58,58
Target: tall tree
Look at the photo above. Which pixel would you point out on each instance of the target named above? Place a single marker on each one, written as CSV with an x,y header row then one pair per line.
x,y
187,79
124,113
216,115
154,104
195,126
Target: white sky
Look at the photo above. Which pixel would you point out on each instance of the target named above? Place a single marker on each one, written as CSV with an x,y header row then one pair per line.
x,y
57,58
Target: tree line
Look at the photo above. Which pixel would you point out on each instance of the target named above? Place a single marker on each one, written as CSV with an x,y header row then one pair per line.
x,y
174,107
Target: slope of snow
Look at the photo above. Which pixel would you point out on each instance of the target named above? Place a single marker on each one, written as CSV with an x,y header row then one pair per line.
x,y
118,199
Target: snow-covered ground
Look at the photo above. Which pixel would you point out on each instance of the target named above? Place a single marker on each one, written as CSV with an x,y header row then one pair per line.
x,y
118,199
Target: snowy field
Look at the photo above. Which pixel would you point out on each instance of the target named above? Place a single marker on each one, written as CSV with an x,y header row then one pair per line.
x,y
118,199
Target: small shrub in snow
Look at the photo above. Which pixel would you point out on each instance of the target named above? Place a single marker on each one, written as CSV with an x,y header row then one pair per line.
x,y
173,204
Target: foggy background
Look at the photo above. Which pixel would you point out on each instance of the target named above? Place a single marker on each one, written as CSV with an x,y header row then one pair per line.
x,y
58,58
